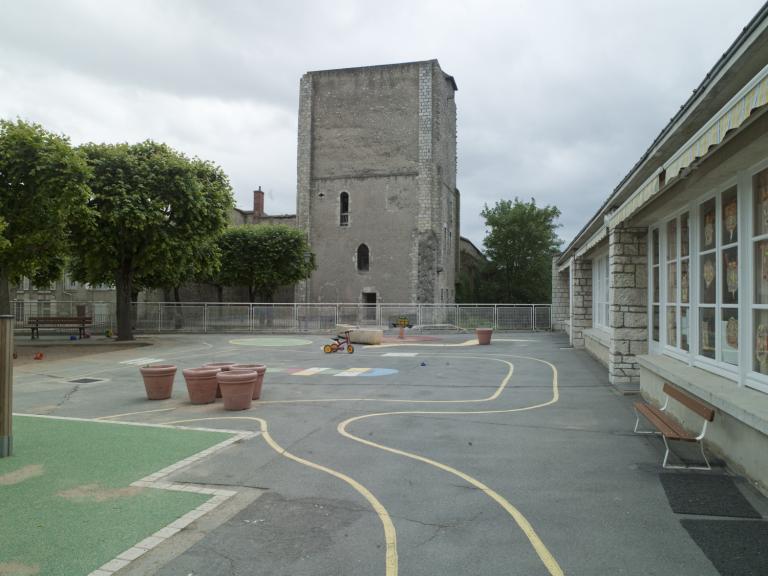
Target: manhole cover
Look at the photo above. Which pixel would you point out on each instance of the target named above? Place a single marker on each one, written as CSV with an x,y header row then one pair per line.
x,y
85,380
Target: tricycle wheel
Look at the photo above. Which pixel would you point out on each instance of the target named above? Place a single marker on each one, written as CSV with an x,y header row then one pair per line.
x,y
350,349
327,349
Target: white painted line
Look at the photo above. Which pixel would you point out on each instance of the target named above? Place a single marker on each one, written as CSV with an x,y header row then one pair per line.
x,y
142,361
352,372
402,354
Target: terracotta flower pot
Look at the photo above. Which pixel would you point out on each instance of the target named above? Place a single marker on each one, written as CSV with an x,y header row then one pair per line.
x,y
201,384
158,380
261,369
223,366
483,335
237,388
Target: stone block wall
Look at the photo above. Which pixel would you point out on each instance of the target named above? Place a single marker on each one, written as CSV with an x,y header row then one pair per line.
x,y
561,297
581,306
628,306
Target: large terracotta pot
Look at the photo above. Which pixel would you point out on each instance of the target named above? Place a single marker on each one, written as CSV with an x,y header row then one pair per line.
x,y
223,366
158,380
483,335
237,388
261,369
201,384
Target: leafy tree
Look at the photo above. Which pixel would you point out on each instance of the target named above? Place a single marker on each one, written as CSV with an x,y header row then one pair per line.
x,y
42,187
520,244
264,257
155,212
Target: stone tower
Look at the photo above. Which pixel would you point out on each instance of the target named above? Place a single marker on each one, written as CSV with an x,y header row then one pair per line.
x,y
377,192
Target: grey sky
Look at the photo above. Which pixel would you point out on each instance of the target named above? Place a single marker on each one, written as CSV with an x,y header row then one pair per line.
x,y
557,99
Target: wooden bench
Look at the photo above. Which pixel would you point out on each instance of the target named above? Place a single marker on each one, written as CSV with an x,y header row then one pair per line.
x,y
79,322
671,430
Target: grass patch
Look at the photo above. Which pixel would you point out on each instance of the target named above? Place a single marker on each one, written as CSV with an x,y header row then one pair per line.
x,y
67,507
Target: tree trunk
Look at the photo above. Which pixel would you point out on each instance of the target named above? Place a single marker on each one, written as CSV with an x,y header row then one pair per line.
x,y
124,285
5,291
177,312
251,294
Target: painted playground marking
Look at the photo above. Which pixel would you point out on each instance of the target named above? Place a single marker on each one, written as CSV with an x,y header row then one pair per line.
x,y
401,354
348,373
142,361
269,341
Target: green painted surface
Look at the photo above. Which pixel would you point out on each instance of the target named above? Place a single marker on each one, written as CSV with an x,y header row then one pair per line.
x,y
89,460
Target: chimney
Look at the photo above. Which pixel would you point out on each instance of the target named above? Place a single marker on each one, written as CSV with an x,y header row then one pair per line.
x,y
258,203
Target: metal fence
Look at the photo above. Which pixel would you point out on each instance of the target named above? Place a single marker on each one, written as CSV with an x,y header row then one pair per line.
x,y
204,317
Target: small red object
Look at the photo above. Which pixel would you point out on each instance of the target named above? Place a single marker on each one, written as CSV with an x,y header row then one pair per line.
x,y
38,356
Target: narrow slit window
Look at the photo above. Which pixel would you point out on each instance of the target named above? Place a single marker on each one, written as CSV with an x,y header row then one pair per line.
x,y
363,258
344,209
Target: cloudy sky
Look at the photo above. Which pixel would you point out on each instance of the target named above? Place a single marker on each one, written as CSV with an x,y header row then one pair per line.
x,y
557,99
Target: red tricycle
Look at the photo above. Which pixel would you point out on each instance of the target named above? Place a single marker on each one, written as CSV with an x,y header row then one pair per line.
x,y
339,343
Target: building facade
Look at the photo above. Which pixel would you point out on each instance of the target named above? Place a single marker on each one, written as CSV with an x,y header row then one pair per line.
x,y
376,190
668,281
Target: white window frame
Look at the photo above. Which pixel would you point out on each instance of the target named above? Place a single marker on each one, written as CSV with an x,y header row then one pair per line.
x,y
600,291
743,374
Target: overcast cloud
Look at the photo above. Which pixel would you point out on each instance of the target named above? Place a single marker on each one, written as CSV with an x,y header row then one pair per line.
x,y
557,99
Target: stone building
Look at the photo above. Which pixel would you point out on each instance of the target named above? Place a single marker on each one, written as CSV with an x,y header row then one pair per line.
x,y
668,281
376,190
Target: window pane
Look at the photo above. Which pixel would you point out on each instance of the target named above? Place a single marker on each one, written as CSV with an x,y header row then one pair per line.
x,y
707,332
684,282
760,360
684,235
655,283
761,272
656,323
708,277
730,276
729,331
672,240
708,225
684,327
730,219
672,282
671,326
656,246
760,194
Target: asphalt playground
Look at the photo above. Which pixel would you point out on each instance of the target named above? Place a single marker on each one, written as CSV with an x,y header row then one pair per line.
x,y
421,457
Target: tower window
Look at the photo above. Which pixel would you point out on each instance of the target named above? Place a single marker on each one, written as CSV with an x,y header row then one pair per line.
x,y
344,209
363,258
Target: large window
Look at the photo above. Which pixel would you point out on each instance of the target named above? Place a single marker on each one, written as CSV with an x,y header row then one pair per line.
x,y
708,281
600,291
363,258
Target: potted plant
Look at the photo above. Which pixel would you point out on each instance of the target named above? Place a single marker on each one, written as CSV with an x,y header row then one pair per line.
x,y
158,380
483,335
260,369
201,384
237,388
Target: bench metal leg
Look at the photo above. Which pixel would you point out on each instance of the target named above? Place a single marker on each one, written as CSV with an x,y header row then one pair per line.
x,y
637,425
665,463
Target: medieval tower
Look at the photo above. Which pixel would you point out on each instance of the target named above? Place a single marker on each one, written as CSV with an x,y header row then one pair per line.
x,y
377,192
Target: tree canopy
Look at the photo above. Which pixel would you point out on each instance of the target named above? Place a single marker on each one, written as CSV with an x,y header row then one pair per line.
x,y
156,215
264,257
42,188
520,244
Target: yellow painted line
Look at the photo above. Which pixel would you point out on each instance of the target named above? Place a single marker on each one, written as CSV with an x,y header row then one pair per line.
x,y
390,535
538,545
352,372
134,413
472,342
309,372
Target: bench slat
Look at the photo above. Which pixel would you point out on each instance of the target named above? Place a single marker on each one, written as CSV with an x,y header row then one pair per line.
x,y
694,404
663,423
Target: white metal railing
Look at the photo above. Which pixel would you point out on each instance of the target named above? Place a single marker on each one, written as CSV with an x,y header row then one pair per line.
x,y
204,317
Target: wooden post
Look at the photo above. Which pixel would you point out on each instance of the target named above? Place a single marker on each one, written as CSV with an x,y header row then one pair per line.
x,y
6,385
